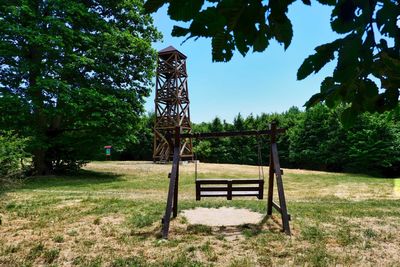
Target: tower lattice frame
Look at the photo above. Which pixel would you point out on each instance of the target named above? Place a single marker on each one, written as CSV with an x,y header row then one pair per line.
x,y
171,105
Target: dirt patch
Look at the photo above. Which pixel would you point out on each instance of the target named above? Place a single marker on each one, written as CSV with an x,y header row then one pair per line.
x,y
113,220
222,216
69,203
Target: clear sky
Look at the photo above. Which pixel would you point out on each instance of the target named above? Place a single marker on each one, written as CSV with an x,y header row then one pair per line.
x,y
258,83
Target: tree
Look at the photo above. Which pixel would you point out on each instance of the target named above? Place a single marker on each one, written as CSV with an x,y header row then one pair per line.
x,y
141,149
368,51
373,144
73,75
318,141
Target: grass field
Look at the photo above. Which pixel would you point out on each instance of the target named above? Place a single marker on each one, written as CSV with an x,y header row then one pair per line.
x,y
110,215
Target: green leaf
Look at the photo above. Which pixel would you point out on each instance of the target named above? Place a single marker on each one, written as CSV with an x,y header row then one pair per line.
x,y
387,19
327,85
327,2
366,94
330,92
152,6
207,23
222,46
346,73
306,68
348,67
183,10
315,99
179,31
307,2
240,42
343,16
261,41
314,63
369,89
232,10
283,31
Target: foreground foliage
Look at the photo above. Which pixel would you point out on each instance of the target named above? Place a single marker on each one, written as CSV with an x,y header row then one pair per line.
x,y
73,76
368,49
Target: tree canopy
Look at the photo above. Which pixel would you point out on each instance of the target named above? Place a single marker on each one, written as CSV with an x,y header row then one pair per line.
x,y
73,75
367,73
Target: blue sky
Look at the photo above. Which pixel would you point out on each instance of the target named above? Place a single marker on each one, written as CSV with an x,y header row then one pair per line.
x,y
258,83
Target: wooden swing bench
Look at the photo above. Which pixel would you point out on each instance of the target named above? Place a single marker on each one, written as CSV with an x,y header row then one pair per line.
x,y
229,188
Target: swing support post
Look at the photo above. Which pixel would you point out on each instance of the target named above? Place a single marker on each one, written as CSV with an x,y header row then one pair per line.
x,y
172,199
276,172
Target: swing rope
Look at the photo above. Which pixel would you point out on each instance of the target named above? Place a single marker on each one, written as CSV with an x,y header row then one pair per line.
x,y
260,163
195,166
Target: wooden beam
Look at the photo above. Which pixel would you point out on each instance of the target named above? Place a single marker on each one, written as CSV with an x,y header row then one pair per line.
x,y
278,209
233,181
171,201
231,188
177,142
230,134
271,171
281,193
261,190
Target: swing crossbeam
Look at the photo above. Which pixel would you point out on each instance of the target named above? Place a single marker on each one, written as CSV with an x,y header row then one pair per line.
x,y
229,188
231,134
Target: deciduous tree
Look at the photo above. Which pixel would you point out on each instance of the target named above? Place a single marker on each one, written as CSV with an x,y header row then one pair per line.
x,y
73,75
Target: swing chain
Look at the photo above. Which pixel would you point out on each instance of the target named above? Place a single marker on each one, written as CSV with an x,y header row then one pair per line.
x,y
260,163
195,165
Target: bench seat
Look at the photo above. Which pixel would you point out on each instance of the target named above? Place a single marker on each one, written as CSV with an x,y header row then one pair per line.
x,y
218,187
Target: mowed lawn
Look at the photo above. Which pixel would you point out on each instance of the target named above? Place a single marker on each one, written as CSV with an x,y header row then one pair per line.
x,y
110,215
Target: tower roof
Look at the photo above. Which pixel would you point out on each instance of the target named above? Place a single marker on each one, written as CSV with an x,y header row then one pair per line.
x,y
169,50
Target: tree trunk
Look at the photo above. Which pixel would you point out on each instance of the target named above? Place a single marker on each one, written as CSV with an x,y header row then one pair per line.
x,y
38,116
39,162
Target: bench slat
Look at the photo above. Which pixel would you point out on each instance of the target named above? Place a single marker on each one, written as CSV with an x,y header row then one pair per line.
x,y
241,188
224,194
226,181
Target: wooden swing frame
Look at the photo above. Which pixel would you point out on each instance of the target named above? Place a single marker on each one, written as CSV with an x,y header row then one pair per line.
x,y
274,172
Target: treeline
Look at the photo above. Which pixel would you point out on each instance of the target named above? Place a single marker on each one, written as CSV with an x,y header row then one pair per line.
x,y
315,139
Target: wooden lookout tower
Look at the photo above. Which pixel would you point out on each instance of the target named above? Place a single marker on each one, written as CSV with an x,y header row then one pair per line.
x,y
171,105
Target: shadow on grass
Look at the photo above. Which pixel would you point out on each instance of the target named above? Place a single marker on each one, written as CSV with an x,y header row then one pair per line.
x,y
154,232
7,184
83,178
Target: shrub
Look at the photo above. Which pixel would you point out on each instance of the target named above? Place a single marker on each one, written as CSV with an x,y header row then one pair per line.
x,y
12,156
